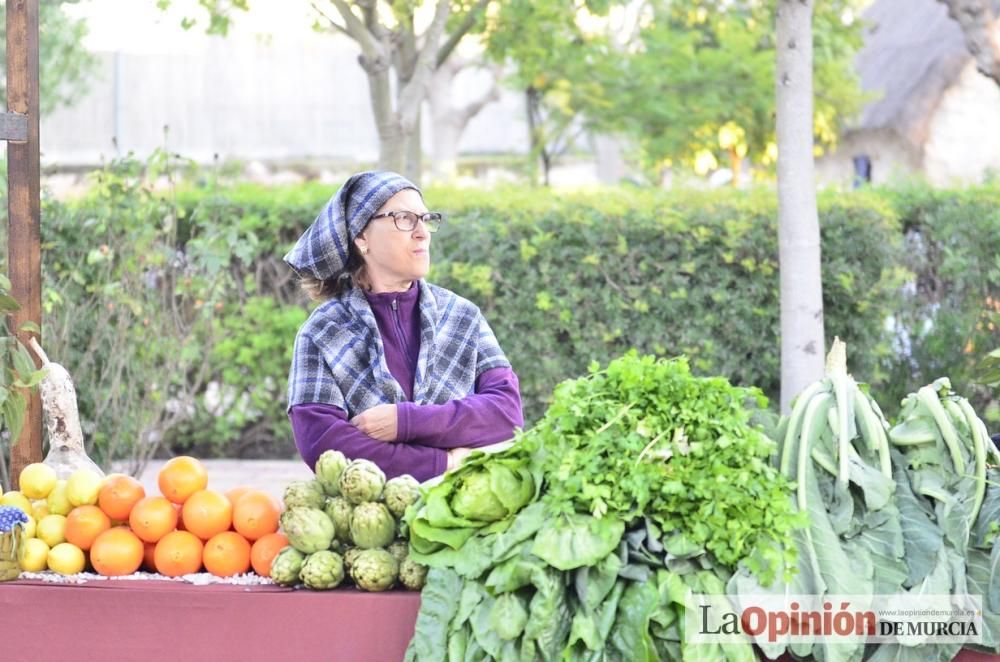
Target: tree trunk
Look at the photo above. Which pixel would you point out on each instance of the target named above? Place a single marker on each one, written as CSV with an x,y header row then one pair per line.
x,y
979,27
392,148
414,153
802,336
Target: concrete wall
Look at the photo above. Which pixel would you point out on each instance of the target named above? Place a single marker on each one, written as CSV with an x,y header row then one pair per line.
x,y
251,101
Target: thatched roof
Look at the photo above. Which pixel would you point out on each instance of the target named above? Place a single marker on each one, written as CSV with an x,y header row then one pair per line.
x,y
913,52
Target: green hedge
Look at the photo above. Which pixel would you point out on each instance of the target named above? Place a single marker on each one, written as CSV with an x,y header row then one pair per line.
x,y
565,279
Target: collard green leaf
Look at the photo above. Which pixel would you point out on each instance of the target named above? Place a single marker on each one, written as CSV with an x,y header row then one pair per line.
x,y
576,540
983,572
922,538
989,513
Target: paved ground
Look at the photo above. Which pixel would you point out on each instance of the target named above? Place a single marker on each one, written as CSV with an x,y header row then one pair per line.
x,y
269,475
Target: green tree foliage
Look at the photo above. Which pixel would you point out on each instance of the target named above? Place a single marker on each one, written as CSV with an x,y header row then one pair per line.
x,y
65,67
690,81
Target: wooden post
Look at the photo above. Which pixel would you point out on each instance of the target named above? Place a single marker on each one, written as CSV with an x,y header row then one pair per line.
x,y
24,260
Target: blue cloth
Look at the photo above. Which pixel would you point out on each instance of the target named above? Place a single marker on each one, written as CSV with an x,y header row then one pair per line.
x,y
322,250
339,358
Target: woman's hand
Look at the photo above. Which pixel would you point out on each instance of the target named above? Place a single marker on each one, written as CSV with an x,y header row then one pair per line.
x,y
456,456
379,422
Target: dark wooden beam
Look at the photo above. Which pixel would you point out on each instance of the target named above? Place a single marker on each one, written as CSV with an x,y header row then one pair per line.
x,y
14,127
24,262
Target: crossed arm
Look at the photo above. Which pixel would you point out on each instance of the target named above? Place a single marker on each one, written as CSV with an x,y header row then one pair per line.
x,y
421,440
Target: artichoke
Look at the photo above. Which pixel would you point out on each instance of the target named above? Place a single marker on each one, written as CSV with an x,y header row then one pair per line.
x,y
372,525
308,529
329,466
322,570
412,575
399,493
362,481
399,549
286,566
304,494
374,570
350,554
339,509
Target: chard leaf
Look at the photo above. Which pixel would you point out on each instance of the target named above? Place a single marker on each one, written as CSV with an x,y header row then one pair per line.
x,y
630,638
508,616
548,614
438,604
482,626
577,540
593,583
515,572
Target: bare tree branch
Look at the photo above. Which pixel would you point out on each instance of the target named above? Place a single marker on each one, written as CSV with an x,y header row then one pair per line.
x,y
358,31
413,94
979,27
334,24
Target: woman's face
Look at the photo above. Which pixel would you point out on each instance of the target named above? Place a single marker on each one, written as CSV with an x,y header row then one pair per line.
x,y
394,258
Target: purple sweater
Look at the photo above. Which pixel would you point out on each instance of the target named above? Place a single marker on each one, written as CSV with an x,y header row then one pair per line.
x,y
424,432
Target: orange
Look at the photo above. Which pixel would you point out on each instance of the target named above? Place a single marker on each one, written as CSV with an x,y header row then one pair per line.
x,y
152,518
263,551
206,513
181,477
116,552
84,524
178,553
118,494
234,494
148,551
180,522
256,515
227,554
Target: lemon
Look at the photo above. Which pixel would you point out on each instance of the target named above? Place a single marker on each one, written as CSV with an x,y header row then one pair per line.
x,y
18,500
66,559
34,555
37,480
58,501
39,509
82,487
52,529
30,527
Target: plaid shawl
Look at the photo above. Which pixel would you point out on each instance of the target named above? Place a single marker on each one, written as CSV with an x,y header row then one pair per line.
x,y
322,250
339,358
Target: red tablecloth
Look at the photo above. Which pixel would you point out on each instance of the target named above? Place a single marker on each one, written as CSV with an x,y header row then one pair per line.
x,y
146,621
125,620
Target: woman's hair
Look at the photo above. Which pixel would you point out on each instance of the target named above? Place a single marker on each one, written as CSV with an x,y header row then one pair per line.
x,y
353,274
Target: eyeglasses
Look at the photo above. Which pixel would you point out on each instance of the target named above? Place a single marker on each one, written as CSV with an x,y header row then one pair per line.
x,y
406,221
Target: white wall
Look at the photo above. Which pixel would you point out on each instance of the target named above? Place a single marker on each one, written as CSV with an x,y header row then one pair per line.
x,y
964,134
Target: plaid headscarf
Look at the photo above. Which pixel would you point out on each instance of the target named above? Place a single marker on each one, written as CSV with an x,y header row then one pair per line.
x,y
339,358
322,250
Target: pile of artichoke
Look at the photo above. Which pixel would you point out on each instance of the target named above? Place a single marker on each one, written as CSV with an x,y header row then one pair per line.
x,y
346,524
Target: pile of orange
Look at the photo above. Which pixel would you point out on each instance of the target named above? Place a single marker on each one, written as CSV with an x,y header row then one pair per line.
x,y
187,529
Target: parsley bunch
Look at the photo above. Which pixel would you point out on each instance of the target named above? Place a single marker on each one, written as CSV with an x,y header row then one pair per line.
x,y
645,437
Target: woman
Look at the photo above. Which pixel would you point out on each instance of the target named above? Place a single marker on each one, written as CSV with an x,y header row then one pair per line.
x,y
389,367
